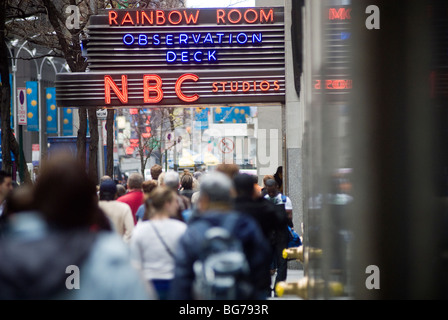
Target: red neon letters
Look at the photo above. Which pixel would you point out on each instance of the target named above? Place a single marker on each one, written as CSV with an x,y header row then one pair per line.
x,y
339,14
245,86
179,92
250,16
334,84
109,83
175,17
156,17
148,87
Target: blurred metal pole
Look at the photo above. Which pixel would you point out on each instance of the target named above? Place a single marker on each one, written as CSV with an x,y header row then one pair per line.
x,y
394,133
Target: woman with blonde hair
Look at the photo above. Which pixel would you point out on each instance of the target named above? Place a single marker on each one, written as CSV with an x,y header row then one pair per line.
x,y
155,239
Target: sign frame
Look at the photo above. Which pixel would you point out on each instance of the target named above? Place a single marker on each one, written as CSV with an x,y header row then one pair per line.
x,y
246,46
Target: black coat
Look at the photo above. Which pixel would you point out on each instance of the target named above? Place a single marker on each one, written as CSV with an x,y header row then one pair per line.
x,y
271,218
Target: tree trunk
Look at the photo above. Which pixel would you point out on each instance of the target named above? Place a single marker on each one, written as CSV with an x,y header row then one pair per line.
x,y
110,143
6,124
8,141
81,141
93,145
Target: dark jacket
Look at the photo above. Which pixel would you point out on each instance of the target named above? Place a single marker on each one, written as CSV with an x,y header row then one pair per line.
x,y
255,247
34,259
263,212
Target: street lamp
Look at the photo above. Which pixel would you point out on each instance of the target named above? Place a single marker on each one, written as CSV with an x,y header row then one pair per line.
x,y
39,78
14,43
39,67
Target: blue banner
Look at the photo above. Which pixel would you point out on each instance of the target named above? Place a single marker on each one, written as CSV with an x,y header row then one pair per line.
x,y
201,118
231,114
32,105
52,113
67,120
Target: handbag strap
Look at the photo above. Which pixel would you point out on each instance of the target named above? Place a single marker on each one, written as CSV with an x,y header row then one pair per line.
x,y
161,240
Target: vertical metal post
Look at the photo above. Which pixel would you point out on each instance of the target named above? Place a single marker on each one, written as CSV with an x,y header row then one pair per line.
x,y
395,213
100,149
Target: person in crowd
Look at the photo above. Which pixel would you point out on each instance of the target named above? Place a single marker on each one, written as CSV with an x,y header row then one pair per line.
x,y
119,213
156,170
161,179
134,196
19,200
60,256
215,206
281,233
105,178
196,184
6,187
121,190
278,177
229,169
264,189
257,188
156,239
186,185
197,176
147,187
171,180
249,202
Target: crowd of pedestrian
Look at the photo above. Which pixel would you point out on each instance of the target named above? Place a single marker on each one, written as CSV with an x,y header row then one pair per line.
x,y
64,237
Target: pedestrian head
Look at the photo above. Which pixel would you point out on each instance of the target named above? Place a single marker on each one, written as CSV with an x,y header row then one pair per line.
x,y
66,195
148,186
121,190
162,201
187,181
215,192
272,188
244,185
156,170
266,178
19,200
108,190
104,178
229,169
135,181
172,180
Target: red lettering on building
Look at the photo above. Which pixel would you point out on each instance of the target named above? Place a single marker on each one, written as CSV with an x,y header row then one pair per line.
x,y
334,84
245,86
339,14
157,88
178,87
157,17
249,16
109,83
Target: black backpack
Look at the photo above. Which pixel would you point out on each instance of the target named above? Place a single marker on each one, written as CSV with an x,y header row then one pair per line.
x,y
222,270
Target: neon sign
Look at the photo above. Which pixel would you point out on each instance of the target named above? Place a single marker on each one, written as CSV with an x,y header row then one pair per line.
x,y
180,57
333,84
176,17
185,39
339,13
147,88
